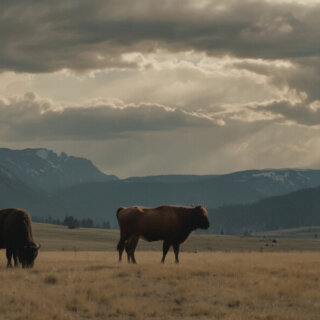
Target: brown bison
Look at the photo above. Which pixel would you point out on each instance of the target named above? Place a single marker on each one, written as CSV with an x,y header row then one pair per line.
x,y
172,224
16,237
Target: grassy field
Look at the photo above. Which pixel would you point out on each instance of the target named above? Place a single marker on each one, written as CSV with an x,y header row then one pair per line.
x,y
77,276
53,238
303,232
205,285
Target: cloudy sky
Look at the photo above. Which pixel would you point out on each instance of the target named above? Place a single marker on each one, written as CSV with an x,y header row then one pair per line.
x,y
156,87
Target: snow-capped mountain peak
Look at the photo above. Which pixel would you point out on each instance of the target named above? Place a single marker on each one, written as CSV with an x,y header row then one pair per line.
x,y
43,168
42,153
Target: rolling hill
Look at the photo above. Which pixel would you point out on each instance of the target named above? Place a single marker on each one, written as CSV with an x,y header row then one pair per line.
x,y
293,210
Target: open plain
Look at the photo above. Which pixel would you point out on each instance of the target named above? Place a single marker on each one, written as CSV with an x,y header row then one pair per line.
x,y
208,283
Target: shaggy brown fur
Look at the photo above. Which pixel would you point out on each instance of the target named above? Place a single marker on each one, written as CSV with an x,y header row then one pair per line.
x,y
16,237
172,224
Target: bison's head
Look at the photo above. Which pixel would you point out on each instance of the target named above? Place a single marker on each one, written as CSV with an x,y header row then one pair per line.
x,y
201,217
28,255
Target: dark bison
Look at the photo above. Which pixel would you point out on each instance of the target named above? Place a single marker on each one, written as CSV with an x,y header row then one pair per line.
x,y
172,224
16,237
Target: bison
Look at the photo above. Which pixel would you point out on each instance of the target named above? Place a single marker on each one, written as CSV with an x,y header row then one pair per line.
x,y
172,224
16,237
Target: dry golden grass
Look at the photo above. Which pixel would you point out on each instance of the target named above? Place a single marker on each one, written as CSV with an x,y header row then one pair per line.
x,y
206,285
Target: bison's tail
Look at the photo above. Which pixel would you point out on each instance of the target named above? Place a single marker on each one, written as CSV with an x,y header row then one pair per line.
x,y
118,211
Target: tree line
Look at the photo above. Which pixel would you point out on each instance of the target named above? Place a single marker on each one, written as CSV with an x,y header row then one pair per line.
x,y
72,222
293,210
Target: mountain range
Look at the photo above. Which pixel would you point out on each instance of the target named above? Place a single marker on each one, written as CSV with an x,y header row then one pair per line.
x,y
48,184
44,169
13,192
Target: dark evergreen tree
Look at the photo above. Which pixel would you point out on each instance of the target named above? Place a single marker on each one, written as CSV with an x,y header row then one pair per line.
x,y
86,223
106,225
71,222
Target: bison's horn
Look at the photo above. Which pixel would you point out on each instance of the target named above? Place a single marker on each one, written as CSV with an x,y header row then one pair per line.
x,y
38,246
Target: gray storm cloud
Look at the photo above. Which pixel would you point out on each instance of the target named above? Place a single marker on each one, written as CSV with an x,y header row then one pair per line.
x,y
301,75
299,113
45,36
28,117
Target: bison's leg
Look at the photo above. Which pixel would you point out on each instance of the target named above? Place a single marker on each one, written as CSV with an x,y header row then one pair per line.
x,y
120,247
131,247
128,250
9,256
15,259
176,248
165,249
